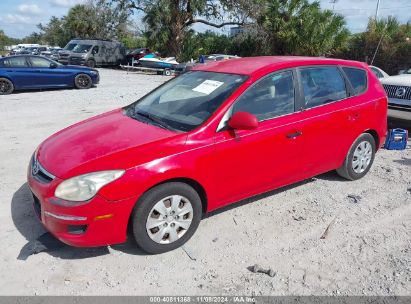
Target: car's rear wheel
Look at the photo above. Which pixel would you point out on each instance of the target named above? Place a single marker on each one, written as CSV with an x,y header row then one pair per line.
x,y
359,159
91,63
166,217
83,81
6,86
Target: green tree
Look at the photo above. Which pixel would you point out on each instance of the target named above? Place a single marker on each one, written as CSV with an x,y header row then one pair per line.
x,y
6,40
298,27
55,32
169,22
385,40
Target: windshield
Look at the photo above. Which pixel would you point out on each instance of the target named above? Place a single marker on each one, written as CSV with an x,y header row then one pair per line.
x,y
70,46
82,48
187,101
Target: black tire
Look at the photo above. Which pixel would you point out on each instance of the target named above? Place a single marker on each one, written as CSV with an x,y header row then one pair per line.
x,y
83,81
6,86
144,209
91,63
347,169
167,72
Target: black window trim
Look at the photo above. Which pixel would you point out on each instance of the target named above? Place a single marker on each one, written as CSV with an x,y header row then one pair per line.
x,y
297,97
352,94
348,88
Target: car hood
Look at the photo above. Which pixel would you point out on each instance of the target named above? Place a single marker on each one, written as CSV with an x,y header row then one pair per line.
x,y
106,142
400,80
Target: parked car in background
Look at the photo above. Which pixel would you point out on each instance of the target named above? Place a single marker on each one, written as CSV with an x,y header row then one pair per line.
x,y
18,48
52,53
378,72
215,135
187,66
24,72
398,90
135,54
35,50
218,57
92,53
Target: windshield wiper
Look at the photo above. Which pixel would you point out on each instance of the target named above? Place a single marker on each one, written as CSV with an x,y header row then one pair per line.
x,y
157,120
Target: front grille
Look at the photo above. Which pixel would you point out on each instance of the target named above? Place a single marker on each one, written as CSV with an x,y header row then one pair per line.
x,y
394,90
39,172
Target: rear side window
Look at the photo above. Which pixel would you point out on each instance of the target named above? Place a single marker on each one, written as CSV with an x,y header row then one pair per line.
x,y
358,79
322,85
15,62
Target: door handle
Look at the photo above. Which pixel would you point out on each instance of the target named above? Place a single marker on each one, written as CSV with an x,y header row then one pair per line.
x,y
294,135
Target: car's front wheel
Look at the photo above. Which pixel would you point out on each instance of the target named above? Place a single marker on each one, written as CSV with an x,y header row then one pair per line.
x,y
359,159
166,217
83,81
6,86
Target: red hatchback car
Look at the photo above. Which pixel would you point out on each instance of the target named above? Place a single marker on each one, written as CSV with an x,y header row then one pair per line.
x,y
215,135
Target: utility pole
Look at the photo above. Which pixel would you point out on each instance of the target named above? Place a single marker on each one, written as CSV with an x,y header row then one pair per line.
x,y
377,9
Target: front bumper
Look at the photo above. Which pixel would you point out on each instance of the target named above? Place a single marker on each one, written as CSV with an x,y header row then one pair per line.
x,y
77,61
399,108
99,222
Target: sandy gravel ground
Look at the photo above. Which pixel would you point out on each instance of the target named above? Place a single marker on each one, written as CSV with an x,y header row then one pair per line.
x,y
367,250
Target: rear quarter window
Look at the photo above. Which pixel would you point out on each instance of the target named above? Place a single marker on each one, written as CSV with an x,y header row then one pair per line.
x,y
357,78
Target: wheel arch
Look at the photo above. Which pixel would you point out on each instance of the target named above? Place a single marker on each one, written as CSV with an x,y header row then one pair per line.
x,y
376,137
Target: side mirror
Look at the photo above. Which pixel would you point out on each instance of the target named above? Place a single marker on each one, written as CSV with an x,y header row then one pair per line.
x,y
53,65
243,121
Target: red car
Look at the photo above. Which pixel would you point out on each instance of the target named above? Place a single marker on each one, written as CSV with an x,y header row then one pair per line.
x,y
215,135
136,54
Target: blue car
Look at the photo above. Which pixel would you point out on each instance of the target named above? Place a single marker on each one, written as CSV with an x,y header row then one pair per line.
x,y
26,72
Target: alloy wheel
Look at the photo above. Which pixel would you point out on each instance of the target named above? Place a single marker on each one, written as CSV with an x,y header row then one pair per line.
x,y
83,81
5,86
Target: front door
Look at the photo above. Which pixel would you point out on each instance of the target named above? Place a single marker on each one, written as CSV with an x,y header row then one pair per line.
x,y
46,76
252,161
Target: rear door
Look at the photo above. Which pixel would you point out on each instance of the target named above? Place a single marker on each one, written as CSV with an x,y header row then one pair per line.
x,y
17,68
327,118
253,161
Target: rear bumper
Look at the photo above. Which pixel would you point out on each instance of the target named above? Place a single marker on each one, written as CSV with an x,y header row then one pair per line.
x,y
98,222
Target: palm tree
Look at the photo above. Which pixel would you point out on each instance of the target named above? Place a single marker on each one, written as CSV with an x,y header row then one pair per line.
x,y
297,27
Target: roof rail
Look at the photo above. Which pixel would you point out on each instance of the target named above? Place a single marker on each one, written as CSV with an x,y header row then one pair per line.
x,y
93,38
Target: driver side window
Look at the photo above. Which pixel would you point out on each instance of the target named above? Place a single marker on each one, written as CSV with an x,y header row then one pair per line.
x,y
95,50
270,97
38,62
322,85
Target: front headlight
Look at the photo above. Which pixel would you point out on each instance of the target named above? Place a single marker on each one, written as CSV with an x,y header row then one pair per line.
x,y
93,72
84,187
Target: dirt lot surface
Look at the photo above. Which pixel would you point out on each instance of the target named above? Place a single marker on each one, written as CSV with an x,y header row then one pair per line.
x,y
367,249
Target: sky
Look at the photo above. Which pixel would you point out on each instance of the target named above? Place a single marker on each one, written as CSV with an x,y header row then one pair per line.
x,y
18,18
